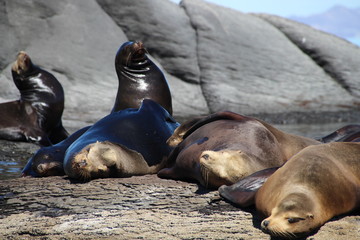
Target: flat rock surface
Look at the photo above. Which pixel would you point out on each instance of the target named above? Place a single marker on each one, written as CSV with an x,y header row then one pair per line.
x,y
144,207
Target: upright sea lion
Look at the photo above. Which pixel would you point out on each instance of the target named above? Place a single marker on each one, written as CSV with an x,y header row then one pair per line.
x,y
318,183
226,147
36,116
48,161
139,78
124,143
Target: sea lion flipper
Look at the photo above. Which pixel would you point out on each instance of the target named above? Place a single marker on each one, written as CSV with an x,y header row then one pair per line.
x,y
243,192
58,134
343,134
241,198
168,173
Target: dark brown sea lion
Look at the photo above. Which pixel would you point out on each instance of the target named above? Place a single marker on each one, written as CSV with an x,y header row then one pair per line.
x,y
36,116
48,161
139,78
318,183
124,143
226,147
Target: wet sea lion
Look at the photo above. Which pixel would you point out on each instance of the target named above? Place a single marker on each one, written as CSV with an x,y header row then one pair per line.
x,y
124,143
316,184
139,78
36,116
225,147
48,161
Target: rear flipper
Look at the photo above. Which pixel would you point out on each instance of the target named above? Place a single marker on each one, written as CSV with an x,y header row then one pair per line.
x,y
242,193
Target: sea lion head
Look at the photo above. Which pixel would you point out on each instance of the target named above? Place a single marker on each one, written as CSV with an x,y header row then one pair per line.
x,y
131,54
293,217
101,160
225,167
48,163
22,65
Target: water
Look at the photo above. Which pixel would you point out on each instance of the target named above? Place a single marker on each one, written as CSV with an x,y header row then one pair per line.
x,y
14,156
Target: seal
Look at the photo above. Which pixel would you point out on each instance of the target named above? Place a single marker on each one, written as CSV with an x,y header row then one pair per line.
x,y
48,161
124,143
36,116
224,147
316,184
139,78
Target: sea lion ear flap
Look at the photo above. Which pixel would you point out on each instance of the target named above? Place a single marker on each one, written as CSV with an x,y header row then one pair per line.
x,y
243,192
310,215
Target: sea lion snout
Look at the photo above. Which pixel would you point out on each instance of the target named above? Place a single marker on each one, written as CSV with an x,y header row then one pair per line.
x,y
22,63
264,226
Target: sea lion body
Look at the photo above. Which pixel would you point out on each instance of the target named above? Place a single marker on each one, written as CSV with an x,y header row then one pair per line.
x,y
226,147
124,143
139,78
318,183
36,116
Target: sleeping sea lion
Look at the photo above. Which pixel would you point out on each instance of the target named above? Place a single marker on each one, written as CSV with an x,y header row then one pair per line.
x,y
316,184
139,78
226,147
36,116
124,143
48,161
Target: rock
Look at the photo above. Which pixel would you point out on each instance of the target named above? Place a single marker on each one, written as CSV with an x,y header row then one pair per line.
x,y
144,207
77,42
249,66
214,58
336,56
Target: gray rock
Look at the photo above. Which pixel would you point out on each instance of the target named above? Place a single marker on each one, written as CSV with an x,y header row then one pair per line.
x,y
77,42
339,58
214,58
249,66
165,29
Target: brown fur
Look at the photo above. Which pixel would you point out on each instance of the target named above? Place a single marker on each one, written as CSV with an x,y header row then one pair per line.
x,y
315,185
228,149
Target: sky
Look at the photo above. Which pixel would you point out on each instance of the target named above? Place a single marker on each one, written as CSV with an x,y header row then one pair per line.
x,y
284,8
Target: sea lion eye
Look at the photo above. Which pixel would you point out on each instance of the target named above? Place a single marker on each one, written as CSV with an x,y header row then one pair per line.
x,y
294,220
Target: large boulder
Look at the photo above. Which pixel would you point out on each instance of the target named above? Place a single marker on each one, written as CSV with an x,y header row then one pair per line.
x,y
76,41
214,58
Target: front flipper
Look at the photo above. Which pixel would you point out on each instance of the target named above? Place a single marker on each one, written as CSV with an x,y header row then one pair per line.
x,y
242,193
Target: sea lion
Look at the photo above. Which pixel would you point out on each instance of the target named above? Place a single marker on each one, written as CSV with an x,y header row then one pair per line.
x,y
36,116
124,143
316,184
48,161
139,78
225,147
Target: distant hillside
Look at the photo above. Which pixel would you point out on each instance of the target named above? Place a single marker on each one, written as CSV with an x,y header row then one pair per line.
x,y
339,20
